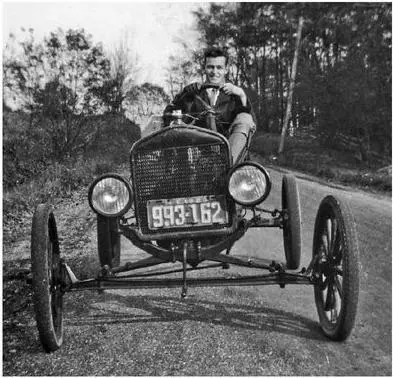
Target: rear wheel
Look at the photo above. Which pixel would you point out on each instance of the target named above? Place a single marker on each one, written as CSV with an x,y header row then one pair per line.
x,y
46,278
292,221
108,237
337,268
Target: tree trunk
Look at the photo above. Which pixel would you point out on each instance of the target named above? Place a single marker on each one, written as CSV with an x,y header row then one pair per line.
x,y
291,86
281,83
276,86
264,110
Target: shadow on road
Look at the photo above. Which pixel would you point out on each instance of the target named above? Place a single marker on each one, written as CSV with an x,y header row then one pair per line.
x,y
117,309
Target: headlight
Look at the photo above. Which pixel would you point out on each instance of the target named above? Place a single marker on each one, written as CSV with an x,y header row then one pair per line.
x,y
110,195
249,183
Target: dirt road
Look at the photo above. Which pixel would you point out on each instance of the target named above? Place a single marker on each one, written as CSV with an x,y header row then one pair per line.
x,y
215,331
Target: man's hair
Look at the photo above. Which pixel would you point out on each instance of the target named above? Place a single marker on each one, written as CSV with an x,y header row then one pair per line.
x,y
214,52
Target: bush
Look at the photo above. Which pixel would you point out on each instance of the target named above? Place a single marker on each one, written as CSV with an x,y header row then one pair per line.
x,y
305,154
368,179
24,151
114,138
28,149
56,181
32,177
326,172
266,144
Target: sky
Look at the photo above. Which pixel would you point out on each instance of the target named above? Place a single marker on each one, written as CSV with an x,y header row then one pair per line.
x,y
152,27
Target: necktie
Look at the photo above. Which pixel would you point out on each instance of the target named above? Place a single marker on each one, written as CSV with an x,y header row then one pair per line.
x,y
212,96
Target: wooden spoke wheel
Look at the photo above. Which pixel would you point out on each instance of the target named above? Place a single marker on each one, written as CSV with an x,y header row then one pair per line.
x,y
292,221
337,268
47,278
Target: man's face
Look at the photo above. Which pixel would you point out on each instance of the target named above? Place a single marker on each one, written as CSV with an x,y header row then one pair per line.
x,y
215,69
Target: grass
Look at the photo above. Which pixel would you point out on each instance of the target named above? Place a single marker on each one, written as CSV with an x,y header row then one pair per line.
x,y
57,181
337,166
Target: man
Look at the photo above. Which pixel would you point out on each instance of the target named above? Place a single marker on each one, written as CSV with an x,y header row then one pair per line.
x,y
235,119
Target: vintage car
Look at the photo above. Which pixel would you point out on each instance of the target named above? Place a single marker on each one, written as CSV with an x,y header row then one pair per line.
x,y
186,203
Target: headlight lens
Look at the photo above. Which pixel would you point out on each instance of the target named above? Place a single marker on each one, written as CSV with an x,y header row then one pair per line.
x,y
110,196
249,184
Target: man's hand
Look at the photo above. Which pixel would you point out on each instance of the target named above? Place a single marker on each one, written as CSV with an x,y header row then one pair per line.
x,y
193,88
231,89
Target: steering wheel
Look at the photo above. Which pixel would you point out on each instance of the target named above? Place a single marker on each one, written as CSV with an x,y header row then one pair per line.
x,y
208,109
210,112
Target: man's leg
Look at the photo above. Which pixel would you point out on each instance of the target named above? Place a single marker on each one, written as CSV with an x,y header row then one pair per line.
x,y
242,128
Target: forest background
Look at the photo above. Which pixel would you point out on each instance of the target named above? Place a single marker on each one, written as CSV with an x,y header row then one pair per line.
x,y
72,111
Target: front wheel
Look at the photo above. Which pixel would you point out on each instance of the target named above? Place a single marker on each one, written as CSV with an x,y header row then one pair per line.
x,y
46,278
291,221
335,247
108,238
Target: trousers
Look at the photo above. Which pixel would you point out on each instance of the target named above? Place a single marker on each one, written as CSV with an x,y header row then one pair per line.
x,y
240,132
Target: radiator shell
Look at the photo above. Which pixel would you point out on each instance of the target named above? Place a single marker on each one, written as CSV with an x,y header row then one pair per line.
x,y
177,162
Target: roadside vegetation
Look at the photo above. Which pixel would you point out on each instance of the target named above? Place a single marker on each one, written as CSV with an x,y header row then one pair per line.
x,y
33,175
63,120
335,165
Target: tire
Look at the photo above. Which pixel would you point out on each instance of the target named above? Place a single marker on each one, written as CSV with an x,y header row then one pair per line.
x,y
46,278
292,222
108,239
337,268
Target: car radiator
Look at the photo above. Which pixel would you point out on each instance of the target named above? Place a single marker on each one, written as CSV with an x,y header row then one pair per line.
x,y
178,172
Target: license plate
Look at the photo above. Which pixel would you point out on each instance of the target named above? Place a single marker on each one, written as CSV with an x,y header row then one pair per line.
x,y
187,212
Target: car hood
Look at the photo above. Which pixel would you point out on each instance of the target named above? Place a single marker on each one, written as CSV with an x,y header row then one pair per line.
x,y
179,135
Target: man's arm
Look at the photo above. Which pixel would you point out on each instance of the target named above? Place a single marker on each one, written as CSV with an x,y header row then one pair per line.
x,y
244,105
231,89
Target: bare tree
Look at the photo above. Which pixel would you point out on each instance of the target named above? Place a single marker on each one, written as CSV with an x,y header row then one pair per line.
x,y
145,100
182,68
124,70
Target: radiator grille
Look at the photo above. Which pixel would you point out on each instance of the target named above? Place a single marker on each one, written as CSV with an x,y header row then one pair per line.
x,y
178,172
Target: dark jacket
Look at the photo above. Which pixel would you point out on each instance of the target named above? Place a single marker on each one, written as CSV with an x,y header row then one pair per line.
x,y
227,107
